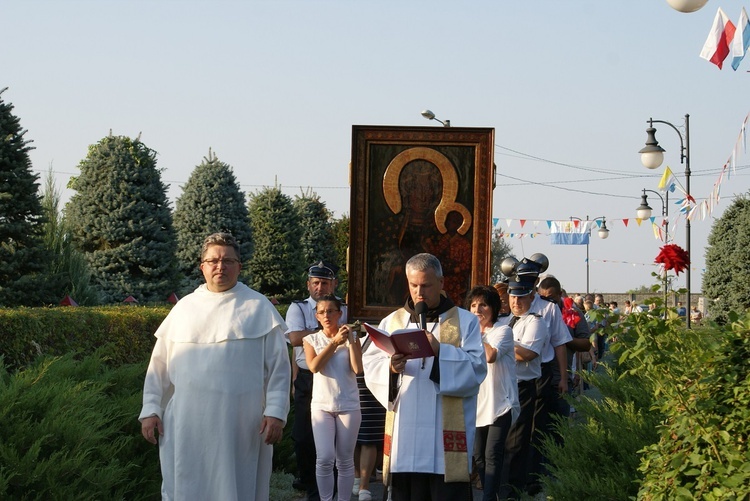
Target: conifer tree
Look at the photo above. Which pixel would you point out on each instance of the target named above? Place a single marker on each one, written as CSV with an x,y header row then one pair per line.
x,y
726,281
277,267
120,219
22,254
341,241
317,230
68,272
211,201
500,249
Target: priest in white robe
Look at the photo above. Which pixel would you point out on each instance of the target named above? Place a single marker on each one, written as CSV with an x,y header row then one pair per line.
x,y
433,399
217,386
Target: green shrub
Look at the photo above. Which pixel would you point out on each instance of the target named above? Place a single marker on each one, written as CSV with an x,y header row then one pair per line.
x,y
703,390
673,421
598,458
125,334
70,432
122,336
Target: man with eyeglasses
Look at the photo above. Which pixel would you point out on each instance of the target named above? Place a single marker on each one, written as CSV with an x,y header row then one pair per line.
x,y
301,321
216,394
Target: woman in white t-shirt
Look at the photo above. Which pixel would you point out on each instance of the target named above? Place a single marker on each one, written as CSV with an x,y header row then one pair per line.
x,y
497,401
334,356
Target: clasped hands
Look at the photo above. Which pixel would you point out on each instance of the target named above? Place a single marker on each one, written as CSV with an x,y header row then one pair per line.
x,y
342,336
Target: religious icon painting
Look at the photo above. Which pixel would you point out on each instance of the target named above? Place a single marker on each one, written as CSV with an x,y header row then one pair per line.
x,y
413,190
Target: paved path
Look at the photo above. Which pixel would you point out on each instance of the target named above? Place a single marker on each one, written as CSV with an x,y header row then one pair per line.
x,y
377,493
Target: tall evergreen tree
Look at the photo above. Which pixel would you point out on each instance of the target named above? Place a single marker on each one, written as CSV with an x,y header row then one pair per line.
x,y
22,255
726,281
278,264
317,229
211,201
341,239
500,249
120,219
68,272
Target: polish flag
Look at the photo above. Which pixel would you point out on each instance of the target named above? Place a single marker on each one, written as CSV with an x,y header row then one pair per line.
x,y
741,41
716,48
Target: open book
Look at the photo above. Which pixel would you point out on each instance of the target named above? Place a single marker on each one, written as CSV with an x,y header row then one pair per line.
x,y
410,342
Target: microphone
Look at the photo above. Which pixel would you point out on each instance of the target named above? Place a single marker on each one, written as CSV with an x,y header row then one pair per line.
x,y
421,310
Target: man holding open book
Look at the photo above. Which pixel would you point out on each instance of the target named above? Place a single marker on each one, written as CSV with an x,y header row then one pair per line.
x,y
432,400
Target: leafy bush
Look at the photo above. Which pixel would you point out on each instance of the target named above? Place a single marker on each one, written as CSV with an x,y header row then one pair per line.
x,y
125,334
106,388
598,458
673,421
702,388
70,432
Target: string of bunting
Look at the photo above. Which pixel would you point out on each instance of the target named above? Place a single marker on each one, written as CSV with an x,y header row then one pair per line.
x,y
654,222
688,208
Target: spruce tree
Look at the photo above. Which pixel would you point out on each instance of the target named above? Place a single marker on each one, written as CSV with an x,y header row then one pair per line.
x,y
120,219
211,201
277,267
500,249
726,281
317,230
340,229
22,254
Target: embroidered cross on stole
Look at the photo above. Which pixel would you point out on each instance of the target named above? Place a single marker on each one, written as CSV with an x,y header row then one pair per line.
x,y
455,447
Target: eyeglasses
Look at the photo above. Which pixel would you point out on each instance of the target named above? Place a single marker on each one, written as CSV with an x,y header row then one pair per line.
x,y
326,312
227,261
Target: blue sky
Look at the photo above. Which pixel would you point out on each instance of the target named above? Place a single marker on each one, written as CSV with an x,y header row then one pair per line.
x,y
275,87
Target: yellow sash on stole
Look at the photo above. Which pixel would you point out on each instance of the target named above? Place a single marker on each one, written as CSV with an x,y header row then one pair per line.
x,y
455,447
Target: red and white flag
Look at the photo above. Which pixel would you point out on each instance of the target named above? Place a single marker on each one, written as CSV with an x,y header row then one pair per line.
x,y
716,48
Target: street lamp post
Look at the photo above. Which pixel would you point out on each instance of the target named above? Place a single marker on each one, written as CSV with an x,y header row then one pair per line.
x,y
644,212
652,156
431,116
603,233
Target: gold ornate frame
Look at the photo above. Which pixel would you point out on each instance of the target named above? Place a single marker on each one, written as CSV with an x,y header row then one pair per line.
x,y
417,189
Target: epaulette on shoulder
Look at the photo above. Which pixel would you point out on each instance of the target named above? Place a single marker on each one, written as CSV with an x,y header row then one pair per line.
x,y
300,301
537,315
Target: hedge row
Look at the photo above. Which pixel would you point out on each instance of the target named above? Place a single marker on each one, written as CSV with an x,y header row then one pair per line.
x,y
120,336
123,334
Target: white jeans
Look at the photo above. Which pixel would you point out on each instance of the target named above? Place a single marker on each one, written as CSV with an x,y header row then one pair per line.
x,y
335,436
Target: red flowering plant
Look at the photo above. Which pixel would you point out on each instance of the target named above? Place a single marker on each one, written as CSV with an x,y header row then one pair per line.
x,y
673,257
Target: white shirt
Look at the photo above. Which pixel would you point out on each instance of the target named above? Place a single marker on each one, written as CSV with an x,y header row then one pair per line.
x,y
335,385
558,333
498,393
301,317
530,332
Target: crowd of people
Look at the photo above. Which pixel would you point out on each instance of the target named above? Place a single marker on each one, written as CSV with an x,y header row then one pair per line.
x,y
216,394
